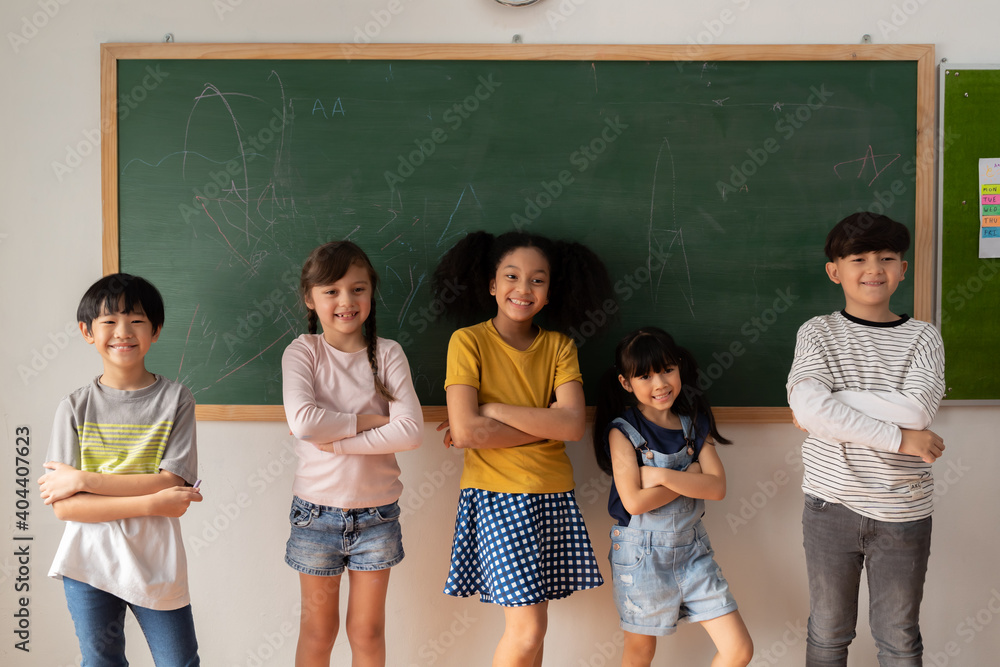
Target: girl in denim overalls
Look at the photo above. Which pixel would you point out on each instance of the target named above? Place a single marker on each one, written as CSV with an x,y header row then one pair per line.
x,y
655,434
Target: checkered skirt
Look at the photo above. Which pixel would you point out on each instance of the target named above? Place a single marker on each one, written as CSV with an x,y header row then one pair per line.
x,y
518,549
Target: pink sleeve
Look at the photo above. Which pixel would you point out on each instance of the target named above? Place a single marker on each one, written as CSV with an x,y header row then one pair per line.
x,y
307,420
405,428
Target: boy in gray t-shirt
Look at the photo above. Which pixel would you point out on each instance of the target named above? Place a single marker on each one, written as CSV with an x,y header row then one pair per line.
x,y
122,462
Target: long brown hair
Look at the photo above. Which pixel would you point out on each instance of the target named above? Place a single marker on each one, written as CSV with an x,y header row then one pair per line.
x,y
327,264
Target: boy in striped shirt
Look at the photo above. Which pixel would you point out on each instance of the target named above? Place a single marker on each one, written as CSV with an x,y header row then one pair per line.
x,y
865,385
122,462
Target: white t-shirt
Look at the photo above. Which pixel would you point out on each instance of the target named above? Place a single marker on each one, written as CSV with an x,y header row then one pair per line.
x,y
98,429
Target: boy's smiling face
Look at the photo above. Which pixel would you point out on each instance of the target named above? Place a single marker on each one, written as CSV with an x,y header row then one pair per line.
x,y
122,340
869,280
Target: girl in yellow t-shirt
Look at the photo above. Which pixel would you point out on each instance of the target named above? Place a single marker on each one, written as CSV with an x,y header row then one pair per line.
x,y
514,395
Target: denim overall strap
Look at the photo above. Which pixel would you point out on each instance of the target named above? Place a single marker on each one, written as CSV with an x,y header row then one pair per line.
x,y
681,515
631,433
689,433
640,443
688,428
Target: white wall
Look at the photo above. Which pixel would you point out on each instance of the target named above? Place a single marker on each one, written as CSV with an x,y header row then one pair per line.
x,y
244,595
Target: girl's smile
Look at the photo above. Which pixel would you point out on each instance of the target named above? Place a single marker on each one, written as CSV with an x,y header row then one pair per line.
x,y
521,285
656,393
342,308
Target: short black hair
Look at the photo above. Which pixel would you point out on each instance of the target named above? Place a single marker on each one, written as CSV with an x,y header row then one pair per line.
x,y
121,293
866,232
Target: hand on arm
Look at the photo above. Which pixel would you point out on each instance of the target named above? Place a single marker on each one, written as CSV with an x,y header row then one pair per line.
x,y
467,428
819,413
93,508
402,429
65,481
902,411
562,420
707,480
926,445
889,406
365,423
638,496
307,420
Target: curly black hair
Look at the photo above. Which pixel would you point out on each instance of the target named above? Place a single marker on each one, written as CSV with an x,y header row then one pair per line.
x,y
580,284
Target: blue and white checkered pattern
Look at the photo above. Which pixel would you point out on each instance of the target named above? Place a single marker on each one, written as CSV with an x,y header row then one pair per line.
x,y
520,549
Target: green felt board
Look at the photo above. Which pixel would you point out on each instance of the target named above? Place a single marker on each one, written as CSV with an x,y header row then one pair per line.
x,y
230,172
970,287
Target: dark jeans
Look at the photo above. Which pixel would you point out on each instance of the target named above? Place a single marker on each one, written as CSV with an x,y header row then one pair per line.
x,y
839,543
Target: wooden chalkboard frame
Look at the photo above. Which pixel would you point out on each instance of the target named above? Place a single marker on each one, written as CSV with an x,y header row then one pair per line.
x,y
922,54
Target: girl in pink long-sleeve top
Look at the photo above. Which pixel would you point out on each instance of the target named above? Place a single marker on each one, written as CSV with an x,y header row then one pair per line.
x,y
350,403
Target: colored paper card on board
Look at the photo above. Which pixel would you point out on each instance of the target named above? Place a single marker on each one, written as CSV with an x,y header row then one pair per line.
x,y
989,207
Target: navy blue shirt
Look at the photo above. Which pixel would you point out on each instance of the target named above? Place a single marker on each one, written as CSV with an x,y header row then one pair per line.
x,y
658,439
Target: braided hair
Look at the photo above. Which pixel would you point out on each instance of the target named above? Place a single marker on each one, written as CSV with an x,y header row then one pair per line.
x,y
327,264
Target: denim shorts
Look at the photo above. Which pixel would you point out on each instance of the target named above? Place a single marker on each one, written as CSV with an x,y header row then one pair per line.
x,y
664,578
325,540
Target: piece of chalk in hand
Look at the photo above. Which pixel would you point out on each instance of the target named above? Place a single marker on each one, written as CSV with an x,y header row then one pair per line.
x,y
197,484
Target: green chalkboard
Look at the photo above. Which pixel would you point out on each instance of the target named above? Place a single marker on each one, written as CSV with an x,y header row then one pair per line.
x,y
707,187
969,285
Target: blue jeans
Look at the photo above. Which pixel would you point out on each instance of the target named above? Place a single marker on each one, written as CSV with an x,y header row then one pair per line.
x,y
839,543
99,619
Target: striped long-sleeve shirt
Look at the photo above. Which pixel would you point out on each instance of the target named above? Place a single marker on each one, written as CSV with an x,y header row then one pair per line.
x,y
851,455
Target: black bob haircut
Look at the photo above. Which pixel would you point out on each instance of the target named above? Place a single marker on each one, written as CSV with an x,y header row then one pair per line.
x,y
866,232
121,293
